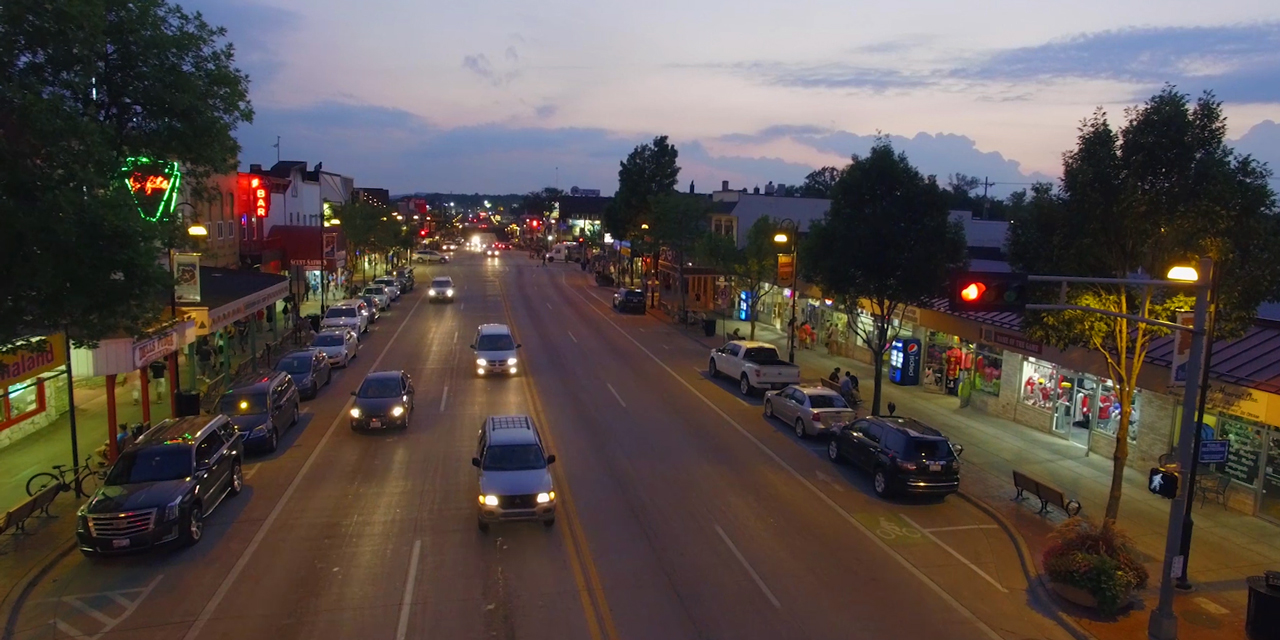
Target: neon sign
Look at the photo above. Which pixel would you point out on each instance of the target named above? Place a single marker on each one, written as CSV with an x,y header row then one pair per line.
x,y
153,185
254,196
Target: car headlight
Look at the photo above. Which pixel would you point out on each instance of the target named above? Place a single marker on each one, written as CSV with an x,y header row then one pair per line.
x,y
432,292
355,412
544,498
396,412
480,361
449,293
511,360
260,429
171,509
491,501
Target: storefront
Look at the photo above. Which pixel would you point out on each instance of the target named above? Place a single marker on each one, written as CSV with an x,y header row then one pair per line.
x,y
33,384
1246,418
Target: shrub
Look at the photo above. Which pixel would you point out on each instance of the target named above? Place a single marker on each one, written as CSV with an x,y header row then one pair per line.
x,y
1099,560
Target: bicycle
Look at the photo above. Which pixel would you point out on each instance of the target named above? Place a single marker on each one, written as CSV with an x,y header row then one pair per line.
x,y
59,476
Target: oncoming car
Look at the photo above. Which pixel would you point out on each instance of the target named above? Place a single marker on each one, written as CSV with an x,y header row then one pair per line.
x,y
491,251
441,289
515,483
495,350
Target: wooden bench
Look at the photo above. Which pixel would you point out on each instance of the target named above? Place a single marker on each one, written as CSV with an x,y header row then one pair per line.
x,y
1045,493
834,386
16,518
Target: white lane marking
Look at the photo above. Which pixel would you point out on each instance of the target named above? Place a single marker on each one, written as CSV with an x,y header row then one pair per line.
x,y
444,397
963,528
402,629
754,576
615,394
455,337
68,630
109,623
1211,606
955,553
705,376
548,304
826,478
243,561
461,306
666,347
906,564
88,610
250,470
571,335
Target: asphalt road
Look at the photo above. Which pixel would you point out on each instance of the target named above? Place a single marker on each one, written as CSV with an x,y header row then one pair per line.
x,y
683,512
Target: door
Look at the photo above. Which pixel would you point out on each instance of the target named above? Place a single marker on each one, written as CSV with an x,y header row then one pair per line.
x,y
785,408
1269,506
867,446
209,452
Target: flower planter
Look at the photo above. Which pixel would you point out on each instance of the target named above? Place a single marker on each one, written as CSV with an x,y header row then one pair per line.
x,y
1080,597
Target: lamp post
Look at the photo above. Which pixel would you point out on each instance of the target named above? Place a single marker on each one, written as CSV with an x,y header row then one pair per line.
x,y
1163,623
1184,546
782,237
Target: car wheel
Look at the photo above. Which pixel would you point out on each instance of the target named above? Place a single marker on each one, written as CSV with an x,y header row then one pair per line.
x,y
484,526
800,432
833,451
237,479
273,441
193,525
744,385
768,408
711,368
294,423
881,483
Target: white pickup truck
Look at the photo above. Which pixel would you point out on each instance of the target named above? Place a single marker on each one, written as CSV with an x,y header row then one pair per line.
x,y
755,365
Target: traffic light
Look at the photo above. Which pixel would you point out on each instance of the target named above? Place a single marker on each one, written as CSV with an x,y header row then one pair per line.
x,y
989,292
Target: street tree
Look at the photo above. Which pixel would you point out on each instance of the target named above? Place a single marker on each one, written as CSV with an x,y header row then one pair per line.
x,y
1164,190
886,243
819,182
679,222
753,267
650,170
84,85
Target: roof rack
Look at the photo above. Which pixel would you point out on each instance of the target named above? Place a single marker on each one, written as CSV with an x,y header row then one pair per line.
x,y
510,422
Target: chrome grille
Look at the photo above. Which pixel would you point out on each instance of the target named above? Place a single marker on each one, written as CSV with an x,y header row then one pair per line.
x,y
519,502
121,525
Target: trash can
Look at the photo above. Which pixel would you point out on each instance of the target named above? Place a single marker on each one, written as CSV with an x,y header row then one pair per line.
x,y
1262,621
709,327
188,403
314,319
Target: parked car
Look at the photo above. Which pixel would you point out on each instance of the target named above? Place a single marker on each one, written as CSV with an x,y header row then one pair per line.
x,y
755,365
338,345
371,309
441,289
391,285
261,405
379,294
629,299
811,410
903,455
495,350
309,369
163,486
406,276
345,315
384,399
429,256
515,482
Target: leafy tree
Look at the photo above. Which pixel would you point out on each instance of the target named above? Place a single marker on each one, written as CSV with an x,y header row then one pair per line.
x,y
818,183
649,170
679,223
1164,190
85,84
754,267
887,242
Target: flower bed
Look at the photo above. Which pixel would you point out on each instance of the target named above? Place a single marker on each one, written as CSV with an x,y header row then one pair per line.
x,y
1100,561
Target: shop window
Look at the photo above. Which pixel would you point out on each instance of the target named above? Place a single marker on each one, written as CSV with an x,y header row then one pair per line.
x,y
987,365
1245,451
1040,382
1108,419
21,402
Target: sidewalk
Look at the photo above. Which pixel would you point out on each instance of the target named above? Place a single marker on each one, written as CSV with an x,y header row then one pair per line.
x,y
1227,547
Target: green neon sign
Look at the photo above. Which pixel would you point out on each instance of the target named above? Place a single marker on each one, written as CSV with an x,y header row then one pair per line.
x,y
153,185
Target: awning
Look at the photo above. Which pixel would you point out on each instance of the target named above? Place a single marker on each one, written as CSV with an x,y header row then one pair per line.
x,y
304,246
233,294
122,355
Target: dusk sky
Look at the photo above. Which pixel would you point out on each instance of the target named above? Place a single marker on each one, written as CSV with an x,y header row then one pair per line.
x,y
493,95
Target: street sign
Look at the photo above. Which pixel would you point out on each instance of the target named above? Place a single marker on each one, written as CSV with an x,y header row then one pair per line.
x,y
1214,451
1163,483
786,268
1181,350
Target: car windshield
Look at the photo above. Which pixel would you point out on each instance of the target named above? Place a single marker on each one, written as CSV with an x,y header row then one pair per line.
x,y
442,284
341,312
514,457
379,388
827,401
922,449
385,281
295,364
760,353
243,404
327,340
495,342
374,291
151,464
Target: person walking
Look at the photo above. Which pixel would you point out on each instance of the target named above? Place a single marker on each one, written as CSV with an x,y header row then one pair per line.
x,y
204,356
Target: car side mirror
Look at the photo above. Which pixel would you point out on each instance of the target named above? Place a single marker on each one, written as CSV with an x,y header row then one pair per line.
x,y
473,346
353,393
551,459
475,462
958,448
518,345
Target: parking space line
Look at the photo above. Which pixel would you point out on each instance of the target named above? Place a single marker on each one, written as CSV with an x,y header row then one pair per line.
x,y
444,397
402,629
963,528
455,337
548,304
250,470
68,630
754,576
571,335
88,610
826,478
615,394
954,553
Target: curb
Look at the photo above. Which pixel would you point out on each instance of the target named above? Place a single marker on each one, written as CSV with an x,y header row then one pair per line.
x,y
1036,587
11,607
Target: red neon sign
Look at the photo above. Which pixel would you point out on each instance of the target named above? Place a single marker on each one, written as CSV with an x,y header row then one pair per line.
x,y
255,196
139,181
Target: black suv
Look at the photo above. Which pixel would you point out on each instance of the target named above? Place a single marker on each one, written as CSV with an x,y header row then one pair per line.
x,y
162,487
262,405
629,300
903,455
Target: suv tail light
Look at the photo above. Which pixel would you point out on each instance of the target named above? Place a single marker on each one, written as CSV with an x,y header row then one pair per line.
x,y
906,465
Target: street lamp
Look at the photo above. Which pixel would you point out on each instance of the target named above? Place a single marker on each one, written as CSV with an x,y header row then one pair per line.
x,y
782,237
197,230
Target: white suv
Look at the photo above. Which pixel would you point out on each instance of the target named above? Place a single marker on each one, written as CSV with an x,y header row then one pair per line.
x,y
495,350
345,315
441,289
515,482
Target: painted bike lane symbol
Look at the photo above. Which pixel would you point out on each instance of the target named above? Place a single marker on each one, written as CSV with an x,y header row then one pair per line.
x,y
890,530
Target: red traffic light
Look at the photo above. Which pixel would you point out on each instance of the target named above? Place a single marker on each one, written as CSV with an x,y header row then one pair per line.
x,y
423,233
973,291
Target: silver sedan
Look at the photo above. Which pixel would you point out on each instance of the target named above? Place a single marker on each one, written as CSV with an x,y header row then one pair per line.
x,y
339,345
809,409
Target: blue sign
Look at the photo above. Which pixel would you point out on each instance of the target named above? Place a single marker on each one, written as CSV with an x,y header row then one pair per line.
x,y
1214,451
904,362
744,305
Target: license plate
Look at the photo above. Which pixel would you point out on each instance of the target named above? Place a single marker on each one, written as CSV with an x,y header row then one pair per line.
x,y
375,424
935,467
120,544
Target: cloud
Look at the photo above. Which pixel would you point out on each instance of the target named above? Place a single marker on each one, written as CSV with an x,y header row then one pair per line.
x,y
774,132
511,55
479,64
833,75
1262,141
254,28
546,111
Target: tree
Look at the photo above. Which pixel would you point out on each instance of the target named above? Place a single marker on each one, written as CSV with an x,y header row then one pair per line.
x,y
887,242
753,267
649,170
1164,190
85,84
818,183
679,222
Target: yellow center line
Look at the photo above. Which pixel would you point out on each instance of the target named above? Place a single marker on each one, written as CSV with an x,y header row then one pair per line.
x,y
586,577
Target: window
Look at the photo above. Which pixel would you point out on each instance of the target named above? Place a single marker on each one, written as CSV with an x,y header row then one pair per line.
x,y
208,446
987,367
1108,403
873,431
219,229
495,342
151,464
514,457
825,401
243,404
895,441
23,401
380,388
1040,381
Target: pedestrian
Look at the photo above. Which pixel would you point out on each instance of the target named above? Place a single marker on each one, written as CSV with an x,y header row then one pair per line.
x,y
831,337
835,375
849,389
544,260
204,356
243,334
288,319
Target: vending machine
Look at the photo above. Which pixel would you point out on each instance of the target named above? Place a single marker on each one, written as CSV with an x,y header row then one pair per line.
x,y
904,362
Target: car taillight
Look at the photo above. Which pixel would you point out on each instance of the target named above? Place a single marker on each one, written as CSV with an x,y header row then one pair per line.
x,y
906,465
817,417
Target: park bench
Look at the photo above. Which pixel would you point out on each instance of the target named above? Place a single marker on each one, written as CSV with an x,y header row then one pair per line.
x,y
16,518
1046,494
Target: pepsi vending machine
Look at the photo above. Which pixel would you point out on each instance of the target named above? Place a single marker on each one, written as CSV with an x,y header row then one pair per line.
x,y
904,362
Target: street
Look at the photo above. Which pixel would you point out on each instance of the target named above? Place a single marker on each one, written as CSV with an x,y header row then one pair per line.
x,y
684,513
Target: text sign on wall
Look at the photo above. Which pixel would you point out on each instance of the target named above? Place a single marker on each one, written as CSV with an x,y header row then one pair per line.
x,y
35,357
153,185
254,195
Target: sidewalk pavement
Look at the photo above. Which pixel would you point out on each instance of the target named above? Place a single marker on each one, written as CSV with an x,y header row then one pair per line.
x,y
1227,547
